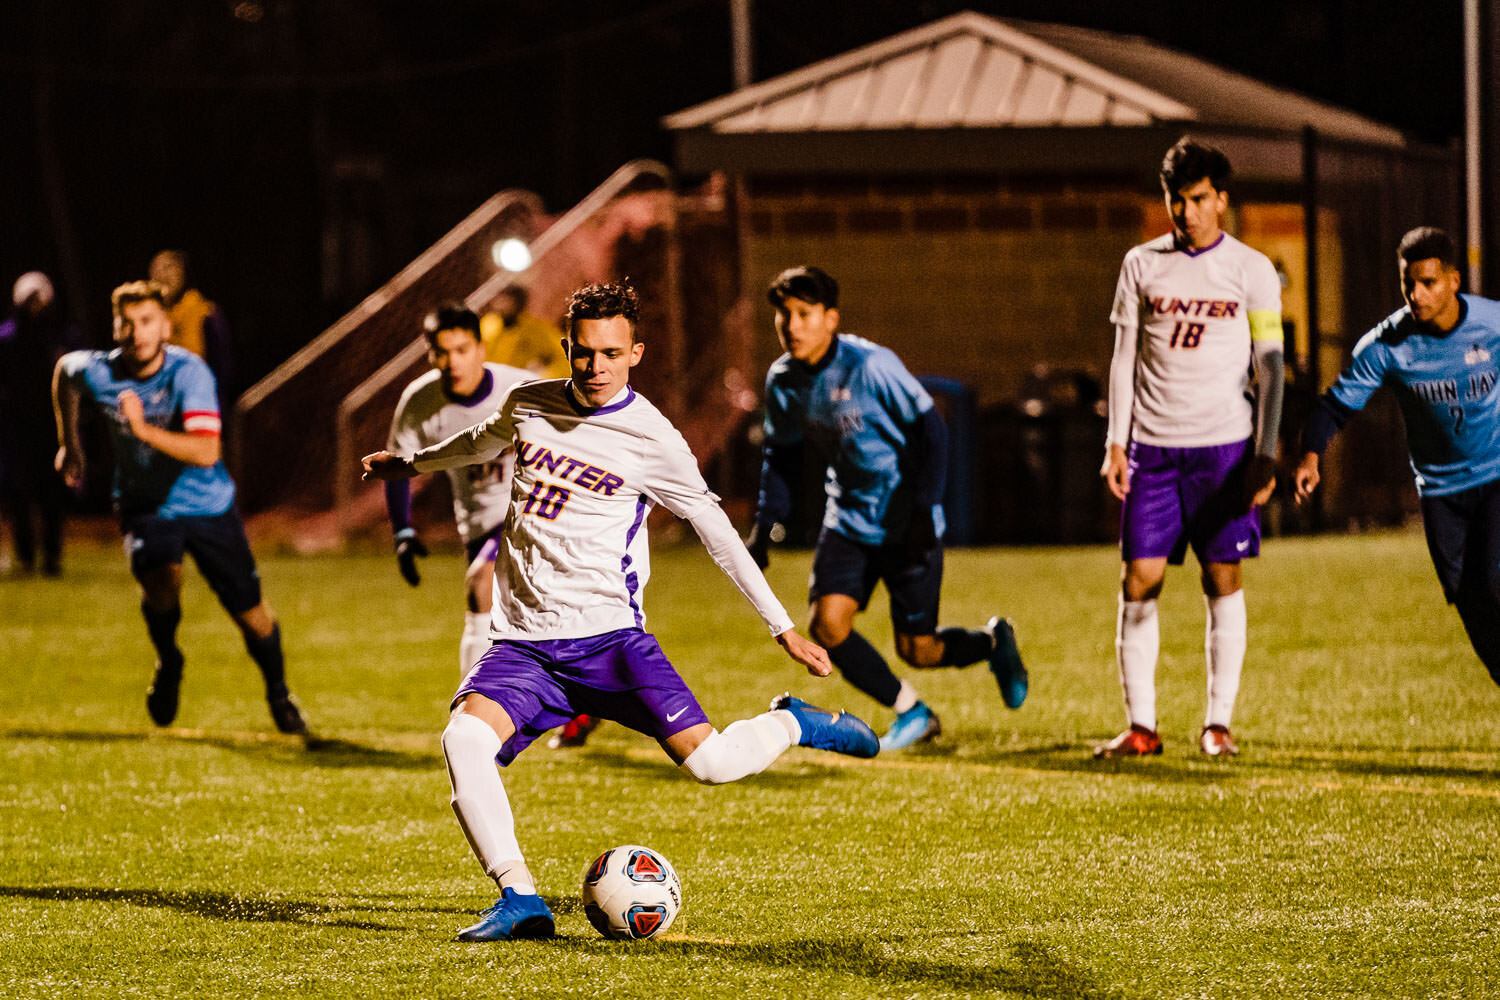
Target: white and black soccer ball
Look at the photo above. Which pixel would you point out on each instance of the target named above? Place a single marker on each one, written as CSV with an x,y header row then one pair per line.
x,y
631,892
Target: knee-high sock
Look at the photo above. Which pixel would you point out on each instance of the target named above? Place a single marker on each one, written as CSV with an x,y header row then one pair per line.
x,y
1224,643
1480,612
475,640
744,748
480,802
865,668
162,627
266,652
1137,641
963,646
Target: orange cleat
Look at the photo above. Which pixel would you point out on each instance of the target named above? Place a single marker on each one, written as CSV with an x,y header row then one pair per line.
x,y
1216,742
1137,741
575,733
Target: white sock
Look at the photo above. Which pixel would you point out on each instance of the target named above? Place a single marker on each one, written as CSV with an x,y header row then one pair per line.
x,y
1224,643
744,748
480,802
1137,641
475,640
906,699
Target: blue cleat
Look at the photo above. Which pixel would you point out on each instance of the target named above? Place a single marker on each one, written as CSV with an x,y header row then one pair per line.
x,y
513,916
1005,663
917,724
825,730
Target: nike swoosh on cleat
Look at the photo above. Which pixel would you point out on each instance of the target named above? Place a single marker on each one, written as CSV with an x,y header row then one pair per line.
x,y
674,715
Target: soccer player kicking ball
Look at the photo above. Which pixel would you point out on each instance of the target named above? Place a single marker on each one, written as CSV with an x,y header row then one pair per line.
x,y
1441,357
885,449
1188,453
461,391
171,490
592,458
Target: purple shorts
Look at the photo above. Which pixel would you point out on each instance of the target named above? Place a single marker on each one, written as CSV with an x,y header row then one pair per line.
x,y
1188,496
622,676
486,546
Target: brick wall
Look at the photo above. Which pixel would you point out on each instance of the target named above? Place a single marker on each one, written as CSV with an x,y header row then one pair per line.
x,y
963,277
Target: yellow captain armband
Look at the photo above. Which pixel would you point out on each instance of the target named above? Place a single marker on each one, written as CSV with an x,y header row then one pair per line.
x,y
1265,324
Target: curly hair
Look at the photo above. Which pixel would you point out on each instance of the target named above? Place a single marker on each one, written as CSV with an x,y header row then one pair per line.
x,y
604,300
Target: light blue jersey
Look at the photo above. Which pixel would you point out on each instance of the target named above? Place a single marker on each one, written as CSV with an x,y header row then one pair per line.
x,y
180,397
856,409
1446,386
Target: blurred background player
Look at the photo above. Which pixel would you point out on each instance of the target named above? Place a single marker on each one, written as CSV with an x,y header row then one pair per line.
x,y
461,391
512,336
31,341
171,489
885,447
1188,453
1441,356
592,458
197,323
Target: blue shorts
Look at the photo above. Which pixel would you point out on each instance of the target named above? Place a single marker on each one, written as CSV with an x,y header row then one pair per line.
x,y
1463,538
1188,496
622,676
217,544
486,545
913,579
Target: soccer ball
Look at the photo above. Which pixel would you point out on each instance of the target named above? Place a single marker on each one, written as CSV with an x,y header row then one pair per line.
x,y
631,892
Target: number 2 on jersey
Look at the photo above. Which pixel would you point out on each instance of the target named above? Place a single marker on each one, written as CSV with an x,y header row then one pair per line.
x,y
546,500
1186,335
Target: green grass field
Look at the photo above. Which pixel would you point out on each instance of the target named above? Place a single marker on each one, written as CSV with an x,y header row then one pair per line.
x,y
1352,849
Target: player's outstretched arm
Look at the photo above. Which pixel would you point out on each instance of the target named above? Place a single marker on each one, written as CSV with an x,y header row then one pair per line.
x,y
806,652
384,465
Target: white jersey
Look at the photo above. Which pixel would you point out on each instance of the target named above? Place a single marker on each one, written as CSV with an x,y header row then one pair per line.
x,y
427,415
1193,313
574,559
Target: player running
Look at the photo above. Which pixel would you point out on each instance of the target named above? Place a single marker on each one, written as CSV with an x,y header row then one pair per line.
x,y
171,490
885,448
1188,453
592,458
1441,356
461,391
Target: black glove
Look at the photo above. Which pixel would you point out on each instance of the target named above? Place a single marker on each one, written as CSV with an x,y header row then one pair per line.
x,y
759,545
408,547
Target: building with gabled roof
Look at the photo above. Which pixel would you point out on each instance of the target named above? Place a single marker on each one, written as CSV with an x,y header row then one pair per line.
x,y
975,182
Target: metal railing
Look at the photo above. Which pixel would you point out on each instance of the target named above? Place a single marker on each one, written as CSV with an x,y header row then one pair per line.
x,y
545,250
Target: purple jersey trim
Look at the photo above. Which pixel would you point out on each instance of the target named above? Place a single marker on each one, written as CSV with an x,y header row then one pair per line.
x,y
585,411
632,582
1198,252
476,397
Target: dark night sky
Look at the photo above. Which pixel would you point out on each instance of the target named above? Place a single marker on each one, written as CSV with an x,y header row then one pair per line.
x,y
233,128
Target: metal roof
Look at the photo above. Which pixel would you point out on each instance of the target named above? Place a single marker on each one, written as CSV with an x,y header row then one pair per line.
x,y
971,71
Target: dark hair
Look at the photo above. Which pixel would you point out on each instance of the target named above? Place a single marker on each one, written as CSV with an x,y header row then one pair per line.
x,y
1424,243
604,300
450,315
810,284
132,292
1189,161
519,293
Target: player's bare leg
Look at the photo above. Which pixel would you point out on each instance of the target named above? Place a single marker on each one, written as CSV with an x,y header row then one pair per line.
x,y
1137,643
161,606
262,634
476,731
1224,648
831,624
961,647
